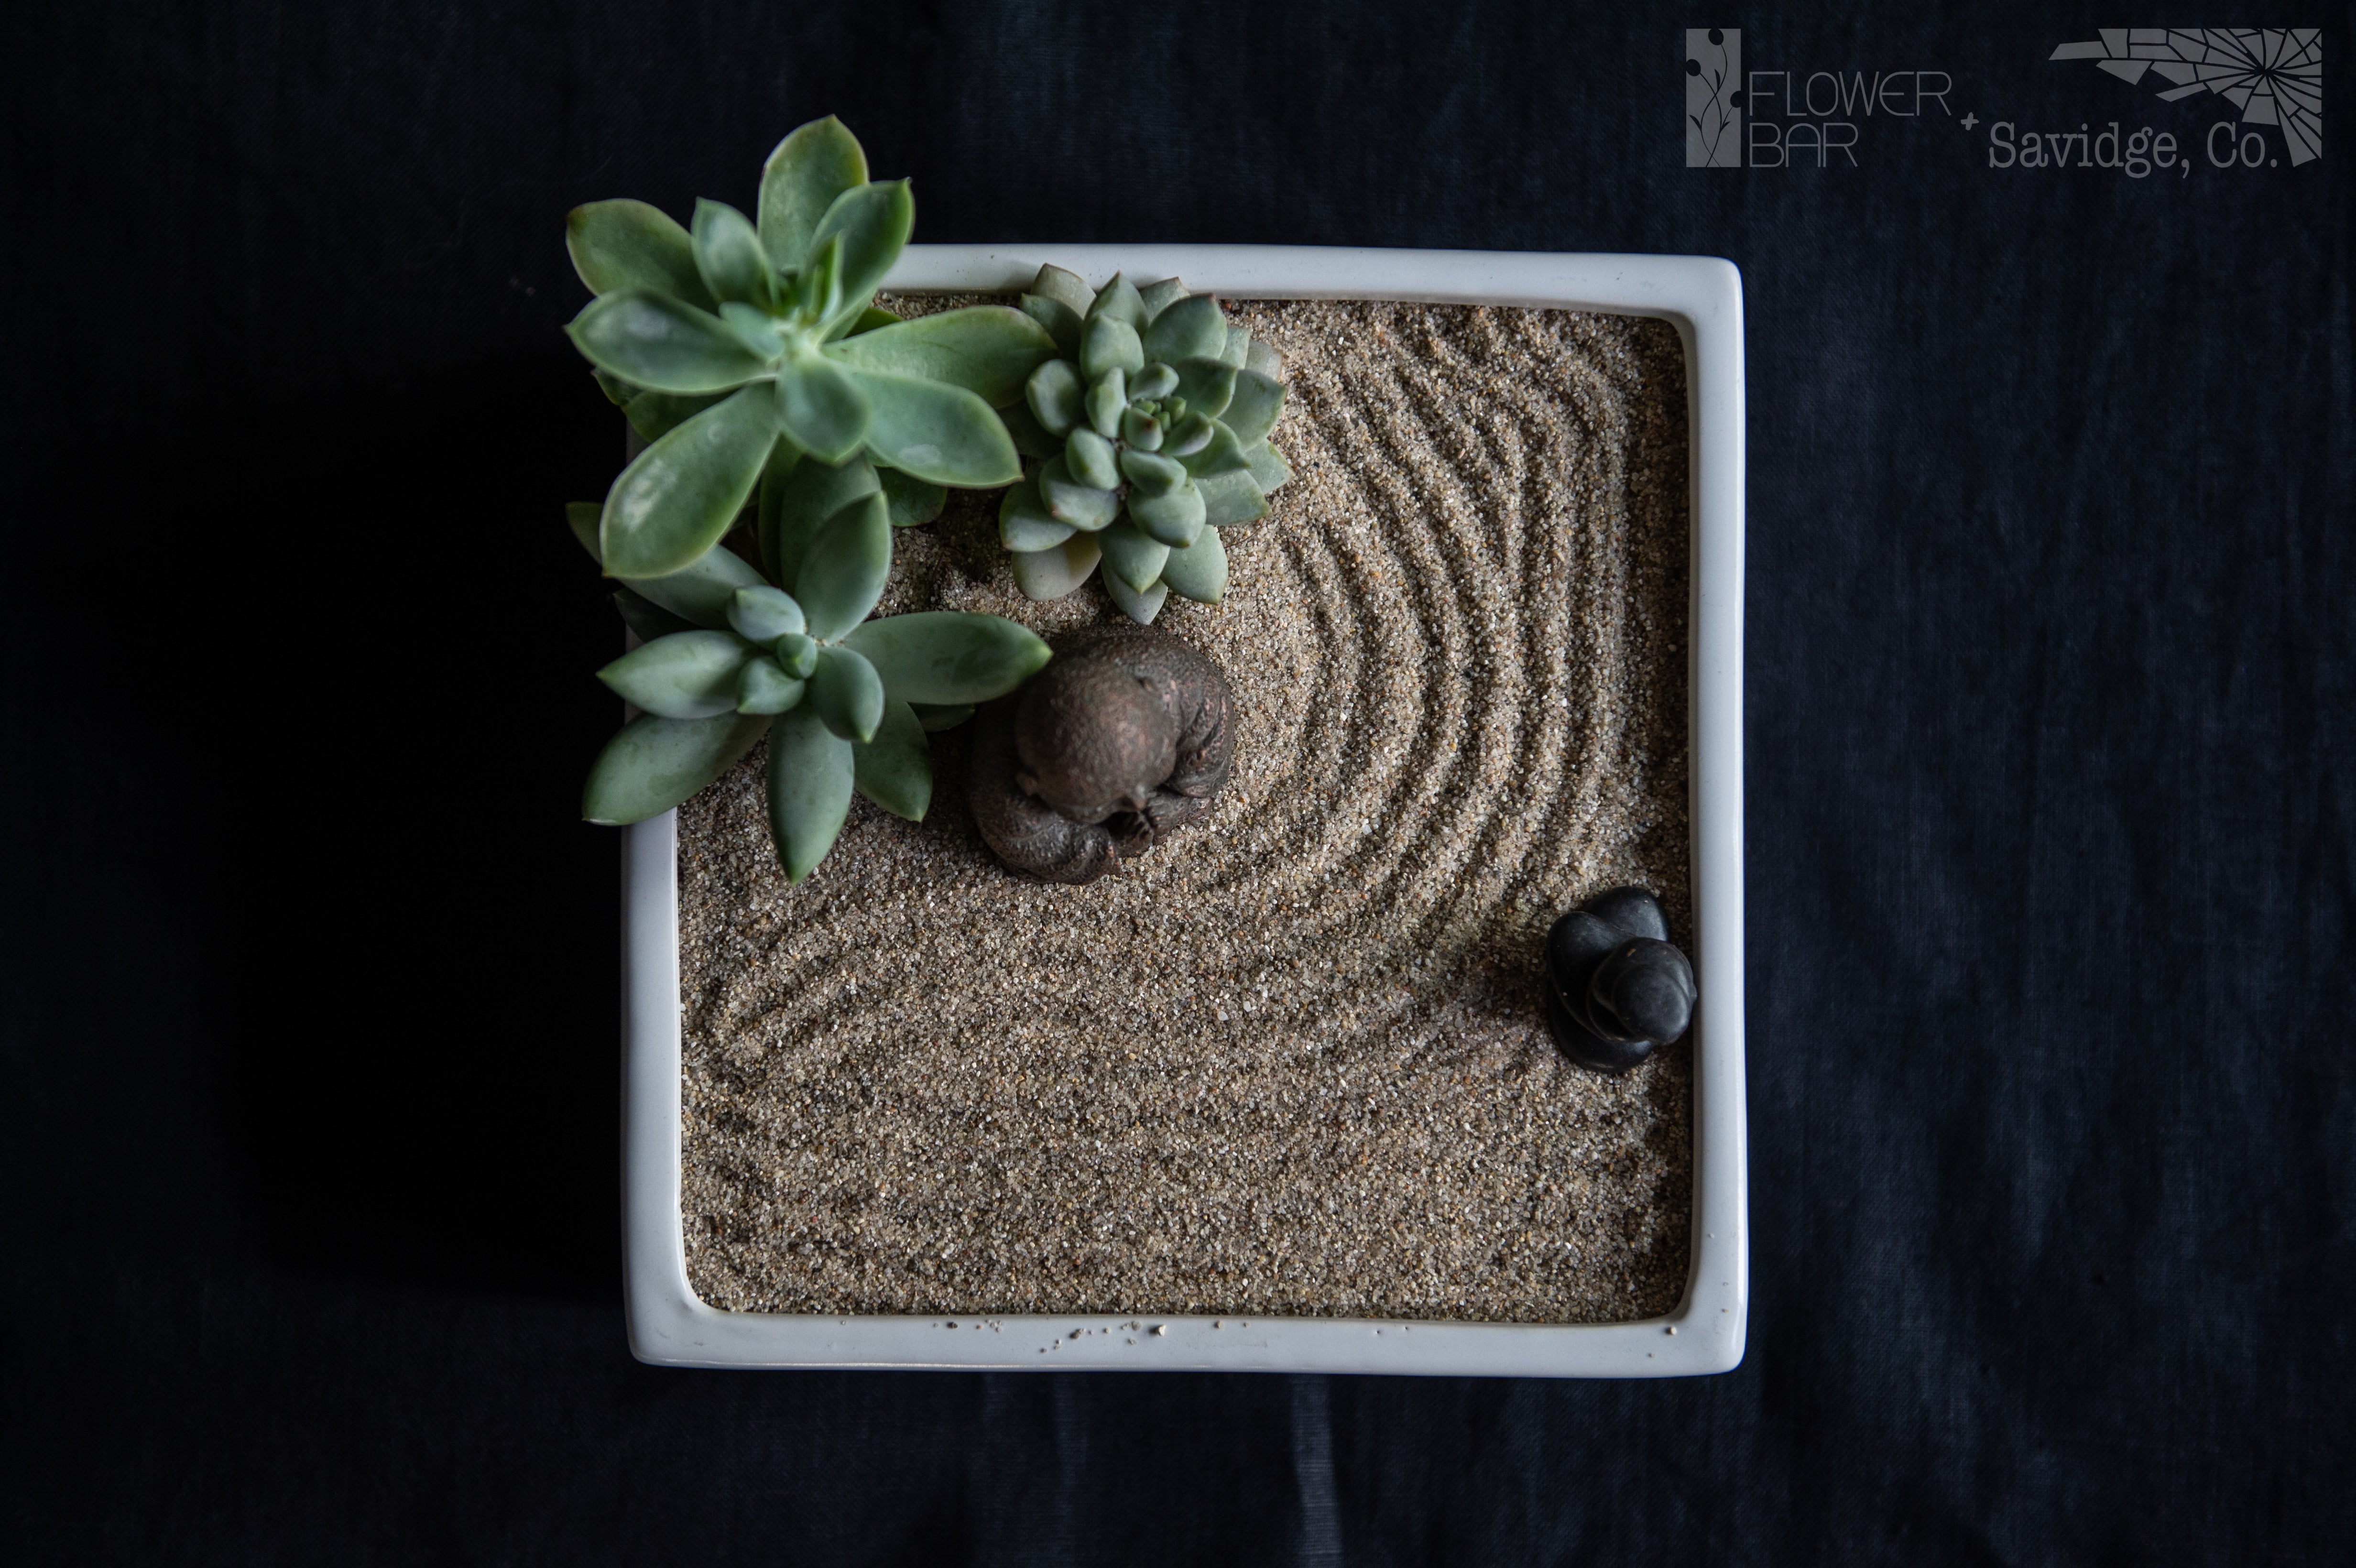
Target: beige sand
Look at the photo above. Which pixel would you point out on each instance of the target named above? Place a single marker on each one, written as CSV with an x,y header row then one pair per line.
x,y
1295,1064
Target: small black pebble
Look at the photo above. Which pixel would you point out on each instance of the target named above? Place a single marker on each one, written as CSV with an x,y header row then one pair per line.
x,y
1647,987
1615,987
1635,911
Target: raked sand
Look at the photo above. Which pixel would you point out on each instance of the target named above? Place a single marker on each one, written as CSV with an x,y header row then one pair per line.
x,y
1294,1064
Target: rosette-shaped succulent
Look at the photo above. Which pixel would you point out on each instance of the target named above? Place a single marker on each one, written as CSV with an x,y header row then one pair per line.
x,y
1152,428
845,702
743,347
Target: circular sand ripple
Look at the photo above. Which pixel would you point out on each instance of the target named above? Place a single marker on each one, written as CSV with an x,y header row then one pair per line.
x,y
1294,1062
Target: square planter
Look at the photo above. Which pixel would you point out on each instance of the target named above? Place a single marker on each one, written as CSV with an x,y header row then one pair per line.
x,y
1702,299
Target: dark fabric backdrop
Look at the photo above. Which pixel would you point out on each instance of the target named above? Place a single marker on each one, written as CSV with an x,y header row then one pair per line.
x,y
307,975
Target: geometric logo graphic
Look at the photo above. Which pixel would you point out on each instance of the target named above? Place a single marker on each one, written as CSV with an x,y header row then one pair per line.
x,y
1713,97
2273,76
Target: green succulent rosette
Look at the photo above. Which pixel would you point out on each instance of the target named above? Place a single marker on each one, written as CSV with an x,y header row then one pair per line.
x,y
1150,430
727,656
741,349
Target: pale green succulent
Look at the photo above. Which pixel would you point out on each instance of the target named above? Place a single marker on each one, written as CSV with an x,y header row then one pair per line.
x,y
729,655
1152,428
743,348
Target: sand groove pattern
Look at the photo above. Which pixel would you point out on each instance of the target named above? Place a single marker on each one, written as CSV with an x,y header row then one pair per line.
x,y
1294,1064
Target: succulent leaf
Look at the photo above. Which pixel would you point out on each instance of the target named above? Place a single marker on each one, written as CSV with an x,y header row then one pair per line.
x,y
1177,519
938,716
798,498
1139,431
1139,607
871,318
761,614
582,516
688,675
663,343
645,619
805,175
1238,347
1158,297
1030,437
655,415
797,655
1191,436
1044,574
1156,380
1200,570
654,764
1057,397
847,693
817,291
1083,506
1206,385
763,687
988,349
1024,521
1061,324
1153,473
895,769
785,457
1251,412
1105,401
1264,360
683,493
941,435
810,789
912,501
701,592
618,245
728,255
755,328
843,574
821,407
618,392
1190,328
1223,454
1107,343
945,656
652,414
1117,301
1089,458
1131,555
1067,289
1268,467
874,220
1230,499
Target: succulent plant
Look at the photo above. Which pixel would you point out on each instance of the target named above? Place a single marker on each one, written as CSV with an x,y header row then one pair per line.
x,y
729,655
741,349
1152,427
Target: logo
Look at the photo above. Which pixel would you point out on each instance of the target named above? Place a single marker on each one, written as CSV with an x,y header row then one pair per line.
x,y
1795,119
2272,76
1713,97
1738,115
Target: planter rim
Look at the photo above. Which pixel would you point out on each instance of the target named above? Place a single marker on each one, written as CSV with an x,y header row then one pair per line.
x,y
1701,297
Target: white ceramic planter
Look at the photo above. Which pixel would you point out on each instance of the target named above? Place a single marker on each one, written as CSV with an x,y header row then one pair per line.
x,y
1700,296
